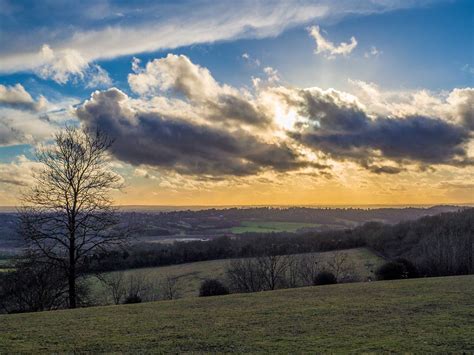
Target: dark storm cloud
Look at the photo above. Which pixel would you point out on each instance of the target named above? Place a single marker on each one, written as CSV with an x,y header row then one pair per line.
x,y
344,131
416,138
232,107
384,169
171,142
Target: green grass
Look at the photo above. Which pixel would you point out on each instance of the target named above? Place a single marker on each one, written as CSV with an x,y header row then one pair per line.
x,y
268,227
191,275
418,315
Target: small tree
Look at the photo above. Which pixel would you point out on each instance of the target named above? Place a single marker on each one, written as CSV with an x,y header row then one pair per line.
x,y
244,275
115,284
68,214
391,271
212,288
169,288
325,278
32,287
410,268
272,269
138,287
308,268
340,265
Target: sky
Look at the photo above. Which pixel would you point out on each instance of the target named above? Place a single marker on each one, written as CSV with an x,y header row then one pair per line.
x,y
291,102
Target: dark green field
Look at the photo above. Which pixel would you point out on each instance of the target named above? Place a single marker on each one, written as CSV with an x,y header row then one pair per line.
x,y
419,315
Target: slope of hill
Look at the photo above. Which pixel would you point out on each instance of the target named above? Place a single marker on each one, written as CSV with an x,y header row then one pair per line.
x,y
362,263
416,315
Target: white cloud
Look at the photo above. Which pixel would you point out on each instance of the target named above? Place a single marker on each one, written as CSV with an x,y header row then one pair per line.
x,y
17,97
373,52
61,65
456,106
67,65
98,77
251,60
24,120
136,65
272,74
328,48
176,73
23,127
19,172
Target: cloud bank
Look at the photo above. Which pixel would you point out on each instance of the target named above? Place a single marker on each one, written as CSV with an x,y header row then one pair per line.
x,y
152,138
183,120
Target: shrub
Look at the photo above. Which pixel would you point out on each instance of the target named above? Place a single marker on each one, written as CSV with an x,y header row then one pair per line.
x,y
133,299
391,271
410,268
212,288
325,278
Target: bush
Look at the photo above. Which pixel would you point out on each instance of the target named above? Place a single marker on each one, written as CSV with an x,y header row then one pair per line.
x,y
33,286
212,288
391,271
133,299
325,278
410,268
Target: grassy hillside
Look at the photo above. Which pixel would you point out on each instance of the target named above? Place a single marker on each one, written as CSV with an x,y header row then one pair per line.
x,y
191,275
418,315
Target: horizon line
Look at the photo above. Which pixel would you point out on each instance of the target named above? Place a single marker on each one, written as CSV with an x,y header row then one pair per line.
x,y
223,206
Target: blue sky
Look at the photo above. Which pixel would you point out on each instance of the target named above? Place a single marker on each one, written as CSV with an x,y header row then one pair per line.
x,y
425,46
411,52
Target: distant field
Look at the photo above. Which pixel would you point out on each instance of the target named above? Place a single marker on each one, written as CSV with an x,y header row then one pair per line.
x,y
268,227
191,275
4,262
417,315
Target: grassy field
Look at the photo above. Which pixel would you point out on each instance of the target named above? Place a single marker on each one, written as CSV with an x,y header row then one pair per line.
x,y
191,275
418,315
4,263
268,227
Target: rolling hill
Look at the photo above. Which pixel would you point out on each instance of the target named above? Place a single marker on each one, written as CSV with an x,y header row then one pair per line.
x,y
189,276
416,315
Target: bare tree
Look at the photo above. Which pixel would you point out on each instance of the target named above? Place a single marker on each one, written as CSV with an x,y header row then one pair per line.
x,y
272,269
338,264
68,214
292,278
32,287
139,287
169,288
308,268
447,253
243,275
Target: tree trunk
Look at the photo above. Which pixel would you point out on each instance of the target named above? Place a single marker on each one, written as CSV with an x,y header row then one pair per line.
x,y
72,276
72,288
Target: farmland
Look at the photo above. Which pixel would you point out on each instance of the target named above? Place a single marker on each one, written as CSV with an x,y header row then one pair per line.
x,y
156,225
417,315
269,227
